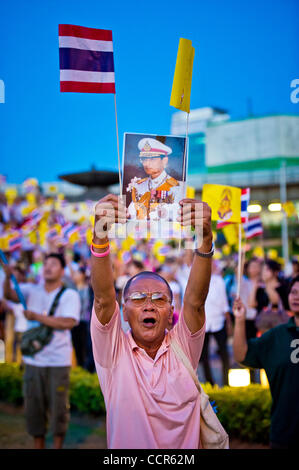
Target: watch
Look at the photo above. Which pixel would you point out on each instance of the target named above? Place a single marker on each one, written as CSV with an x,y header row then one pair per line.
x,y
205,255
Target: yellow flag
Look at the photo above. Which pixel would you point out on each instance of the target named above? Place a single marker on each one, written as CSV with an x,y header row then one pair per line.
x,y
32,236
289,208
231,234
272,254
31,199
11,194
225,202
259,252
181,87
190,193
74,237
89,235
226,250
4,243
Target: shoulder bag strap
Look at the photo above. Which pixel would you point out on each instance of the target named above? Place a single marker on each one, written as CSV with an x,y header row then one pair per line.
x,y
184,359
56,300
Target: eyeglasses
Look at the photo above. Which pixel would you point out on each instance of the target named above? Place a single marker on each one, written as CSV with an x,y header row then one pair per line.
x,y
157,298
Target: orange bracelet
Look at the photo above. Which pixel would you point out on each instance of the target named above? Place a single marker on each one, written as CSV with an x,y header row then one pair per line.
x,y
105,245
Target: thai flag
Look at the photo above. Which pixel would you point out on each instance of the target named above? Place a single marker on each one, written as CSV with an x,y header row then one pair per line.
x,y
86,60
15,242
253,227
245,198
35,216
68,229
82,232
53,234
31,222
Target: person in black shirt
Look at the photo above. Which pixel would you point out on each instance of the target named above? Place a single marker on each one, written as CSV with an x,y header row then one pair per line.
x,y
277,352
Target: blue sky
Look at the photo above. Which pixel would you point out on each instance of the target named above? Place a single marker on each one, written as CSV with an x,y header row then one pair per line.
x,y
242,49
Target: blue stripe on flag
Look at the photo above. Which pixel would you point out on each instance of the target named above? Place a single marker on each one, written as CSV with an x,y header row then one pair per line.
x,y
252,226
244,205
89,61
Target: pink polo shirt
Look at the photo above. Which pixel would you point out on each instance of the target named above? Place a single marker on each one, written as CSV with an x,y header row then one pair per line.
x,y
150,403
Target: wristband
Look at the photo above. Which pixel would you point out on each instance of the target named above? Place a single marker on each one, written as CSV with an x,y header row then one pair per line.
x,y
205,255
99,255
105,245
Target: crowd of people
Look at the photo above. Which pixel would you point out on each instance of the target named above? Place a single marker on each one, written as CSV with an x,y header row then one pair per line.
x,y
263,290
41,270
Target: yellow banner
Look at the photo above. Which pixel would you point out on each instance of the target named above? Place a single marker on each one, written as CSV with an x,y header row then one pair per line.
x,y
225,202
190,193
231,234
181,87
289,208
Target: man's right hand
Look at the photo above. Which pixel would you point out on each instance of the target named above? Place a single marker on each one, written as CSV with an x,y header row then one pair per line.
x,y
109,210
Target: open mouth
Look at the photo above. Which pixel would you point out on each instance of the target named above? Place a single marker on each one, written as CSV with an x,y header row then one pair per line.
x,y
149,322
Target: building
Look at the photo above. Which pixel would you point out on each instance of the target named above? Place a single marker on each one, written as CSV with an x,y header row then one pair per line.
x,y
257,152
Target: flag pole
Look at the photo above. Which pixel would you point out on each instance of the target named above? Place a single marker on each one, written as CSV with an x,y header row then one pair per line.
x,y
239,261
118,153
185,150
184,165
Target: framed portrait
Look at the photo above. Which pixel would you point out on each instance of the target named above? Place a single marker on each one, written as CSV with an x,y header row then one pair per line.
x,y
154,175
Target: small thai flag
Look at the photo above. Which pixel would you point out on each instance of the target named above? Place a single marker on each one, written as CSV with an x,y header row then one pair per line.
x,y
53,234
68,230
82,232
15,242
86,60
35,216
245,198
253,227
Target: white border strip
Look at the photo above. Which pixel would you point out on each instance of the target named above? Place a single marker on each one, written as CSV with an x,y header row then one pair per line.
x,y
83,76
85,44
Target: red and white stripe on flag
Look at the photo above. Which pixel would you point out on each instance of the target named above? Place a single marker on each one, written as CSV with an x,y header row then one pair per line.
x,y
253,227
86,60
245,198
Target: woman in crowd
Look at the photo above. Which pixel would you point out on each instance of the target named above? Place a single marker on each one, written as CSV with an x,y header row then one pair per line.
x,y
269,297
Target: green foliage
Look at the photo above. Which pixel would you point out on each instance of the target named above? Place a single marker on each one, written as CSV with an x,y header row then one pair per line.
x,y
85,392
243,411
11,380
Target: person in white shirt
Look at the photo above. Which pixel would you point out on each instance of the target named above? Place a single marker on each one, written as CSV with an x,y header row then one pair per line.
x,y
46,378
217,312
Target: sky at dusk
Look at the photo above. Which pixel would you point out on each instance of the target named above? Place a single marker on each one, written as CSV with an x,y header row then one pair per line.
x,y
243,50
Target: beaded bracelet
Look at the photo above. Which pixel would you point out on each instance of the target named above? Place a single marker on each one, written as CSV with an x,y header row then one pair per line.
x,y
105,245
99,255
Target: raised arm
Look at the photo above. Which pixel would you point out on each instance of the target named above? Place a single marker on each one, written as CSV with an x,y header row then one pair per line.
x,y
107,211
199,216
240,346
9,293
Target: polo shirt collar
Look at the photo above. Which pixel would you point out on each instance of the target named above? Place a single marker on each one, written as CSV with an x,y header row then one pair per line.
x,y
164,346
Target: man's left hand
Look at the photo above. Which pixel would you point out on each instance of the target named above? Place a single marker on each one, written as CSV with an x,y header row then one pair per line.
x,y
196,214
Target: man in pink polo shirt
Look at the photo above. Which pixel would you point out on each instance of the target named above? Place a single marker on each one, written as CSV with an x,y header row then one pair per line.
x,y
151,399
